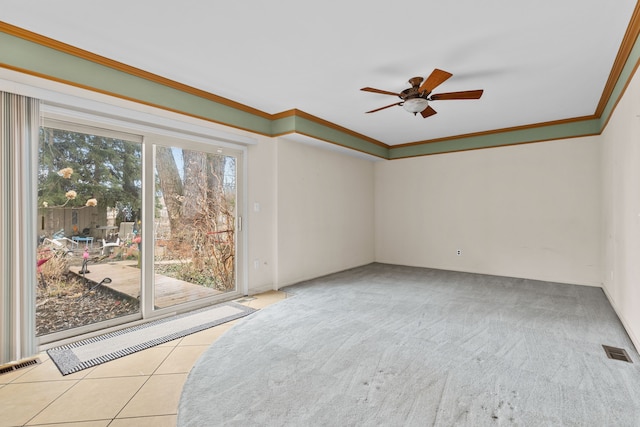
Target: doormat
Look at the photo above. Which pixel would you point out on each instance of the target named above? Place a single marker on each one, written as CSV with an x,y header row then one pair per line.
x,y
94,351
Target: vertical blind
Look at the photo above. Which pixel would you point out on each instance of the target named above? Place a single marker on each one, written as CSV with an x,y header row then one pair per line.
x,y
19,130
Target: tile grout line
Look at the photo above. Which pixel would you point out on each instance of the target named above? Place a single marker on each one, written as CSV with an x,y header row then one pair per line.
x,y
54,400
131,398
24,371
146,381
136,418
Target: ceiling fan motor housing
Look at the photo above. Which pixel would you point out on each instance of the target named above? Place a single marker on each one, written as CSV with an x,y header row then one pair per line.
x,y
414,100
414,90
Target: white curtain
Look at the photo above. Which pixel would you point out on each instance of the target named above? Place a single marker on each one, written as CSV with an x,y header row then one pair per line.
x,y
19,128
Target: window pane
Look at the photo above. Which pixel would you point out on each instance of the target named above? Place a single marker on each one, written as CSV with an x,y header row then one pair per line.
x,y
89,195
195,245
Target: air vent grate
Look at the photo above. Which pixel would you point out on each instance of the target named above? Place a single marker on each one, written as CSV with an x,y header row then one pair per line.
x,y
617,353
18,365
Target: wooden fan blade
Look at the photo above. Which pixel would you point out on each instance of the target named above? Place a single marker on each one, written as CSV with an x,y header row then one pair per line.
x,y
467,94
382,108
384,92
428,112
434,80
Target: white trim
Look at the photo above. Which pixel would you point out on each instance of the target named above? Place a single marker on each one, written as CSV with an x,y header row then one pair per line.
x,y
79,127
139,123
147,285
242,265
634,340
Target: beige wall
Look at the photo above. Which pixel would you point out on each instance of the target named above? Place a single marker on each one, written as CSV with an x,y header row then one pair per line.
x,y
261,209
621,209
325,204
529,211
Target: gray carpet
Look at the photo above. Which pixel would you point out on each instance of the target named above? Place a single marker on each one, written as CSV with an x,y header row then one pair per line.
x,y
385,345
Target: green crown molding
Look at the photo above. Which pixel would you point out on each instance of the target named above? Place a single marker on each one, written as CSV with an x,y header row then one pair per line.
x,y
500,139
305,124
33,58
36,55
629,69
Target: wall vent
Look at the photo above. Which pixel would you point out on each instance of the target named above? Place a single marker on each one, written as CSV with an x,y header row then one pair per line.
x,y
14,366
617,353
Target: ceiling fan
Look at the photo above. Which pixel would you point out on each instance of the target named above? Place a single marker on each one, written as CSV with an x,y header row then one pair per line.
x,y
416,99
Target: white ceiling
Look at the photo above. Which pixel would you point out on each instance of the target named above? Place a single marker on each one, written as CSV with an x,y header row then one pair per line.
x,y
537,61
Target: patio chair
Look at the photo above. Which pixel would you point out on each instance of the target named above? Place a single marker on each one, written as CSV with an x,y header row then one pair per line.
x,y
109,245
60,243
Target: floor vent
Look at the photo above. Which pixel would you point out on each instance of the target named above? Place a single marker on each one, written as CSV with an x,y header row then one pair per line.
x,y
10,367
617,353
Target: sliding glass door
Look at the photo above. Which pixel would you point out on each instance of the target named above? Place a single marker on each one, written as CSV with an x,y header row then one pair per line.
x,y
132,226
195,244
89,186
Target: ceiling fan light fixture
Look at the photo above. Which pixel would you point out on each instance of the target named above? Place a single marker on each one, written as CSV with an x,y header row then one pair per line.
x,y
415,105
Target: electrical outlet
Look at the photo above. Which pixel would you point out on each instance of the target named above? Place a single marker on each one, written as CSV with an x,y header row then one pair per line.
x,y
459,252
256,263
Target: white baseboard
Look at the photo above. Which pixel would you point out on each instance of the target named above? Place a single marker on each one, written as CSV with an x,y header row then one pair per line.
x,y
254,290
625,324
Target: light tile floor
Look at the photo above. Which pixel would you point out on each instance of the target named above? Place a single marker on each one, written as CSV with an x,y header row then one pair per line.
x,y
142,389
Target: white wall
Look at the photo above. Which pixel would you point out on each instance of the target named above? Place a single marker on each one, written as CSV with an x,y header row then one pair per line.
x,y
261,221
529,211
324,213
621,209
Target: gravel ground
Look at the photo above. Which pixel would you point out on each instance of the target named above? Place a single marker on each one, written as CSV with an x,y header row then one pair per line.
x,y
70,303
